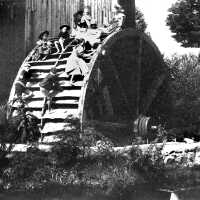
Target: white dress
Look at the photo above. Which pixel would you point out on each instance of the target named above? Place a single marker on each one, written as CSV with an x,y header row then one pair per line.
x,y
76,65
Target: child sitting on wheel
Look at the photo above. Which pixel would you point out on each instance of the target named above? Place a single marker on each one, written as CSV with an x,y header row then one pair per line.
x,y
44,47
63,38
75,64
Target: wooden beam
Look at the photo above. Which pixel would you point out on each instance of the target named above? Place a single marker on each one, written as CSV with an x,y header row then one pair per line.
x,y
120,86
109,125
139,65
152,93
129,10
12,1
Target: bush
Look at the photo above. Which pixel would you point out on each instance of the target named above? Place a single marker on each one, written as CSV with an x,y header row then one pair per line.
x,y
183,21
185,73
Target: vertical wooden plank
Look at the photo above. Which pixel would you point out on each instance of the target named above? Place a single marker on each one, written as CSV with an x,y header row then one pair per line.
x,y
39,22
53,2
98,11
59,13
52,17
55,16
110,10
101,13
28,27
42,16
91,3
73,5
49,17
95,10
35,31
64,12
45,14
67,11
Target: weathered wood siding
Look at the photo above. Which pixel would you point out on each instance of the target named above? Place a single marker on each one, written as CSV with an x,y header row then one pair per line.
x,y
12,24
48,15
101,10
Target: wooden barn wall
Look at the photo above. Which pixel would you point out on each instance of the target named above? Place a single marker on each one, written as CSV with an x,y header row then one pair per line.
x,y
48,15
101,10
12,22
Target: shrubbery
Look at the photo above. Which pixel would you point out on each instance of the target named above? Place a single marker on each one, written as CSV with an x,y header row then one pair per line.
x,y
69,162
185,86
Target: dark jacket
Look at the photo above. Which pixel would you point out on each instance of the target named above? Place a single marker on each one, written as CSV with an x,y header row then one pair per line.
x,y
20,88
64,35
49,82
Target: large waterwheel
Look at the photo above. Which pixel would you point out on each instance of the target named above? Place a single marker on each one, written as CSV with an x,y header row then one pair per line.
x,y
126,84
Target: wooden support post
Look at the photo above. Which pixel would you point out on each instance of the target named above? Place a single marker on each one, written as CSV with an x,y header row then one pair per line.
x,y
28,25
139,76
129,11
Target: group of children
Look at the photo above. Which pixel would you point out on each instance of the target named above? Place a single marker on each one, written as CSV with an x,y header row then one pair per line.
x,y
84,28
88,36
45,46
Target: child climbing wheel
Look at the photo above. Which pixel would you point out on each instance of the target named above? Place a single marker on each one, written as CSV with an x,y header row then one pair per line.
x,y
49,87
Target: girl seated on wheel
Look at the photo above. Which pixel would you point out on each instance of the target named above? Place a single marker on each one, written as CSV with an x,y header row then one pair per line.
x,y
44,47
75,64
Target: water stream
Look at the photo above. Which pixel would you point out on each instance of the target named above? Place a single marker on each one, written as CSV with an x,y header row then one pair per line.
x,y
62,194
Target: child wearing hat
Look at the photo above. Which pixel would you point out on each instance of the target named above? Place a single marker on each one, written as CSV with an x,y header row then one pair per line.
x,y
63,38
43,38
44,46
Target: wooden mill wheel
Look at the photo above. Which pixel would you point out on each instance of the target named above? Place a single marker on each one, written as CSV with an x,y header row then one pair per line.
x,y
128,79
126,82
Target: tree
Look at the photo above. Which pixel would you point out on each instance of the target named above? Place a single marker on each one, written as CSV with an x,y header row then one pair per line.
x,y
185,76
140,22
184,22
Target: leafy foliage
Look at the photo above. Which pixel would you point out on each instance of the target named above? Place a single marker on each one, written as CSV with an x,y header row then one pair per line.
x,y
23,126
140,21
184,22
185,73
113,174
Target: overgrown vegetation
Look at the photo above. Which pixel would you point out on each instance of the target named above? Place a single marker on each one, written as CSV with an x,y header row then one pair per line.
x,y
71,162
185,73
184,22
109,173
185,90
140,21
